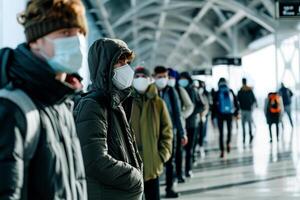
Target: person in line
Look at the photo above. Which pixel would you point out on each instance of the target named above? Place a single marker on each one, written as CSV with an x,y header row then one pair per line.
x,y
186,82
247,102
273,111
112,163
187,108
170,96
44,162
203,119
287,95
152,127
227,107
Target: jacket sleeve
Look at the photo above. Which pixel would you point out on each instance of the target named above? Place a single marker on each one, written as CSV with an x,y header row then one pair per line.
x,y
177,114
166,134
187,103
12,131
92,128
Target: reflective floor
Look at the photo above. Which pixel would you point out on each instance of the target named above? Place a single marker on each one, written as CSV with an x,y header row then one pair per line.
x,y
261,171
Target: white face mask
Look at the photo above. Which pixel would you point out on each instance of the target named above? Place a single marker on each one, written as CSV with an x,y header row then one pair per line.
x,y
161,83
141,84
68,54
171,82
123,77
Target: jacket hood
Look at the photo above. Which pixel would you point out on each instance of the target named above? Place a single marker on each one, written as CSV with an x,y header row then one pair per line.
x,y
103,54
187,75
150,93
28,72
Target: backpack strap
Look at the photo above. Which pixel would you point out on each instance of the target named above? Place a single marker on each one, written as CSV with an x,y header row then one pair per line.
x,y
23,101
5,55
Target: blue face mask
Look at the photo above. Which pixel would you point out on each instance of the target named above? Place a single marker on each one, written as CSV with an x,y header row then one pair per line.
x,y
68,54
183,82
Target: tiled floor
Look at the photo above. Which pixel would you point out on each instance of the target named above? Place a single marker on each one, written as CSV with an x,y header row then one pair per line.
x,y
261,171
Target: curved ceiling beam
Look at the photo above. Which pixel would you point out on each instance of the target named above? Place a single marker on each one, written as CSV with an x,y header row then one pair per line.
x,y
266,22
206,7
142,10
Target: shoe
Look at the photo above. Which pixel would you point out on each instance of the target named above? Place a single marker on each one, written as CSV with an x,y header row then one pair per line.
x,y
189,174
228,148
222,154
271,140
251,139
202,152
172,194
180,179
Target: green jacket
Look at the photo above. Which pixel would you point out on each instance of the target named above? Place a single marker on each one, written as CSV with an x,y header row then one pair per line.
x,y
152,127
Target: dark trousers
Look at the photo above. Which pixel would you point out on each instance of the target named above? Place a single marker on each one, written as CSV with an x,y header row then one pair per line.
x,y
170,167
202,131
191,133
178,159
221,119
151,190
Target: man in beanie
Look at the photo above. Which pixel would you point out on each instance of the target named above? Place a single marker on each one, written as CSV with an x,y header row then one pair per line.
x,y
152,127
44,164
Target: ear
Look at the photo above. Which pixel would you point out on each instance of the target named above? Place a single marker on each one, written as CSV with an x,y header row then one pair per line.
x,y
34,46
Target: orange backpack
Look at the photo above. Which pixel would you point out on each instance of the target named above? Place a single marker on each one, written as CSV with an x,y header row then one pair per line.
x,y
274,103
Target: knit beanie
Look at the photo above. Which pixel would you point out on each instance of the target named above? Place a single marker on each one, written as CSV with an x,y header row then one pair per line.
x,y
42,17
142,70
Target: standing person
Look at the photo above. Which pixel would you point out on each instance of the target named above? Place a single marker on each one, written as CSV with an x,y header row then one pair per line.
x,y
112,163
186,82
152,127
187,108
203,117
170,96
226,105
273,111
287,95
247,101
42,159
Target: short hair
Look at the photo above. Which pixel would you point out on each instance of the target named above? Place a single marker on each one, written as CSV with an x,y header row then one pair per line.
x,y
160,69
244,81
127,55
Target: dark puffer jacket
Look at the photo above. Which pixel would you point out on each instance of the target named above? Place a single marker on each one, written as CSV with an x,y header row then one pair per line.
x,y
112,163
56,170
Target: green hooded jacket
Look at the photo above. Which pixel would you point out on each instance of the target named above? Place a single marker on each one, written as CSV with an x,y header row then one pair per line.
x,y
152,127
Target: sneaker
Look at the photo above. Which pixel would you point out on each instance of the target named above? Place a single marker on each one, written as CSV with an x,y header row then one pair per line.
x,y
180,179
222,154
172,194
228,148
251,139
189,174
202,152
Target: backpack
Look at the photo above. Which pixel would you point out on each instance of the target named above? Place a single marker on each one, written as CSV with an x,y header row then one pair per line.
x,y
274,103
23,101
225,102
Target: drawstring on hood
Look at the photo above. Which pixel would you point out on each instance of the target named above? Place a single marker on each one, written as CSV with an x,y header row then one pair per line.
x,y
103,55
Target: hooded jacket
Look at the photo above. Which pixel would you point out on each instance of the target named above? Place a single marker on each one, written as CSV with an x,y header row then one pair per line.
x,y
191,121
152,126
112,163
246,98
56,170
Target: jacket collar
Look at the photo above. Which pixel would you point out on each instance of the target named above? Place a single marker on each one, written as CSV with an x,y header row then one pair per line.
x,y
37,78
